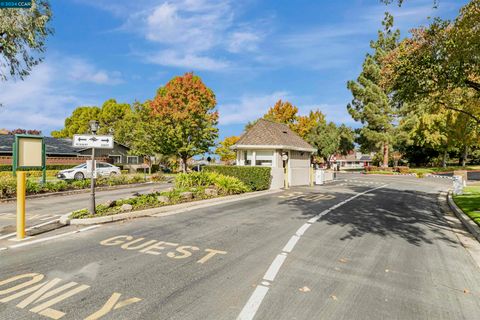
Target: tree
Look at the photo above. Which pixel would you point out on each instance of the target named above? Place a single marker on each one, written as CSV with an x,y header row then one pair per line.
x,y
324,137
371,104
22,38
142,129
283,112
440,63
113,117
305,124
77,123
224,151
329,139
185,107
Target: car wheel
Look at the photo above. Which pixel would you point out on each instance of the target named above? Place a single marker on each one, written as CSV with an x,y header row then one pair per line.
x,y
113,173
78,176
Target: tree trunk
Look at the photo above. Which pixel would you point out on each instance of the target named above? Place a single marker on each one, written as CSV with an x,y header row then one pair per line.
x,y
444,159
184,163
464,156
385,154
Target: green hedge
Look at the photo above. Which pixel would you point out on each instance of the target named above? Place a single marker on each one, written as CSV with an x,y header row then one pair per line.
x,y
7,167
256,178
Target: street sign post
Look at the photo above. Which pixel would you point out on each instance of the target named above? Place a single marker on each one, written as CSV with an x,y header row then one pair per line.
x,y
93,141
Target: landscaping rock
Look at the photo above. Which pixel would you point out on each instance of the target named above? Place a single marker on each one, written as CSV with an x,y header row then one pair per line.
x,y
163,199
126,207
211,192
169,189
186,195
109,203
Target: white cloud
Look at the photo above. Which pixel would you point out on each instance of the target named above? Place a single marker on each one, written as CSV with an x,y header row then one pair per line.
x,y
187,60
47,96
186,33
249,107
35,103
241,41
83,71
192,24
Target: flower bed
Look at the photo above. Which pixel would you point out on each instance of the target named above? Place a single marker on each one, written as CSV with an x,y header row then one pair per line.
x,y
8,184
188,187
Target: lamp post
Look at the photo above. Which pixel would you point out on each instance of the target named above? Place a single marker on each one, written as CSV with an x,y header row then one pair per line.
x,y
94,124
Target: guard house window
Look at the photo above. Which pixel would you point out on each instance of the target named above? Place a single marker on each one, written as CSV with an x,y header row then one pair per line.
x,y
116,159
264,158
132,160
247,155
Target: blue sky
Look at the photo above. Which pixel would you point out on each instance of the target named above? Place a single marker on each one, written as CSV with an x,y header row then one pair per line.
x,y
250,52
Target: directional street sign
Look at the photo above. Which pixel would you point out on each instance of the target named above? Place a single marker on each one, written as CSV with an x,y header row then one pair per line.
x,y
91,141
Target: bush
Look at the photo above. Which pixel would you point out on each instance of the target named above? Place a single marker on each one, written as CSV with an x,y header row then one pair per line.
x,y
255,178
157,177
8,187
372,168
402,169
8,184
225,184
55,167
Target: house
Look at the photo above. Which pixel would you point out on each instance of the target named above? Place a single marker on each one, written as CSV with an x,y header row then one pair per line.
x,y
61,151
274,145
353,160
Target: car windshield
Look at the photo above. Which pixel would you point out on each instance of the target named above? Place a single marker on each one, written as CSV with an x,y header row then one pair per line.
x,y
80,166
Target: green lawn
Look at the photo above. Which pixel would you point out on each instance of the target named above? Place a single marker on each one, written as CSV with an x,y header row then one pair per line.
x,y
469,202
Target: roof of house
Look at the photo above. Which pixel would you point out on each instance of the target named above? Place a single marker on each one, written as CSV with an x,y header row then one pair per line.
x,y
54,146
268,134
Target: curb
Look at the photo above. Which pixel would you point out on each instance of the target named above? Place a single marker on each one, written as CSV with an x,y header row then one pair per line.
x,y
466,221
165,210
79,191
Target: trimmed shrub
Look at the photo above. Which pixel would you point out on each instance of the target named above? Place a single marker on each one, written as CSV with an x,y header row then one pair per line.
x,y
225,184
402,169
372,168
56,167
256,178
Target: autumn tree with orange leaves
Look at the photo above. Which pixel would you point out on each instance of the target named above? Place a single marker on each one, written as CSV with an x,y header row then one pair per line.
x,y
185,111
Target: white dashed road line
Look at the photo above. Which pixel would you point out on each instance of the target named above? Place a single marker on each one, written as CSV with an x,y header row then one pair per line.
x,y
251,307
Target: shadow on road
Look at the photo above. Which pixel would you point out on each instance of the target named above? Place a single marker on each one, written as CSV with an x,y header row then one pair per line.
x,y
411,215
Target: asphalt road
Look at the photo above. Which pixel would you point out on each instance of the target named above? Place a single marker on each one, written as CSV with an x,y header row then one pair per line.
x,y
40,210
359,251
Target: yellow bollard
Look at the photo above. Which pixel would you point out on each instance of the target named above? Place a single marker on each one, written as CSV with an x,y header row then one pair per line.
x,y
21,191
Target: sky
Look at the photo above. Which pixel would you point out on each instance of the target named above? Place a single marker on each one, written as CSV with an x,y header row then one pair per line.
x,y
250,53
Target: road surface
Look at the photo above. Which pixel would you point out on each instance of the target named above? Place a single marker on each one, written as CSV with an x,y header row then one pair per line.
x,y
361,248
40,210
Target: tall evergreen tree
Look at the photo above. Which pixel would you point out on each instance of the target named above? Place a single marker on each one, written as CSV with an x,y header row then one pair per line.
x,y
372,104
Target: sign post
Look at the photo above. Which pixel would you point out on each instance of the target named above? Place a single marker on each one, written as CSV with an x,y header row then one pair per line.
x,y
28,153
92,141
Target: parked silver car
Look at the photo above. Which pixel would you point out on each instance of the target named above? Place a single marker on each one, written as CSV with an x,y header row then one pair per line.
x,y
80,172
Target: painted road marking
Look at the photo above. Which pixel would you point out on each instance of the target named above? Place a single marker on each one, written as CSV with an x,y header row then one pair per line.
x,y
154,247
39,292
28,229
251,307
51,237
291,244
291,194
274,267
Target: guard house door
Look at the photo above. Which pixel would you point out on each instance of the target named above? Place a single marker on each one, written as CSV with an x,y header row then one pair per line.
x,y
286,173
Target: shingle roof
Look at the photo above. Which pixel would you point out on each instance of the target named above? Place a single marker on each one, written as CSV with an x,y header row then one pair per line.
x,y
268,133
366,158
53,146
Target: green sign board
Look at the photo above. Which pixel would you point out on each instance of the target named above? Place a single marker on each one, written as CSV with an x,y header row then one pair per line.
x,y
29,154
